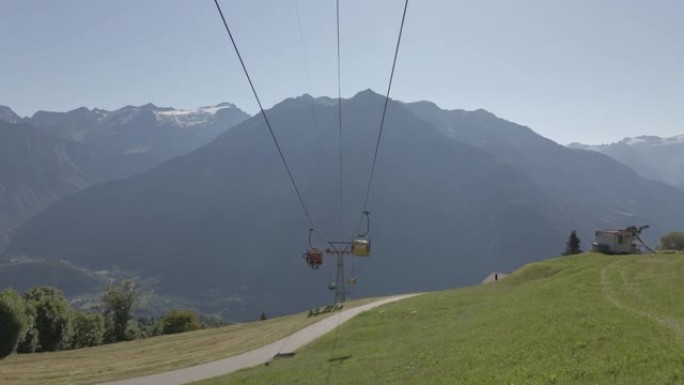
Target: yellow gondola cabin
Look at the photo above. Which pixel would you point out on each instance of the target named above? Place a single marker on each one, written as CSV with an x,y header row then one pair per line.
x,y
361,247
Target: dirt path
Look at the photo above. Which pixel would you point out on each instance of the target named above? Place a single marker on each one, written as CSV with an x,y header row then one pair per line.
x,y
495,276
256,356
609,293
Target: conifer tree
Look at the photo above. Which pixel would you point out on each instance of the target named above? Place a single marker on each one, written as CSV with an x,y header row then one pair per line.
x,y
572,246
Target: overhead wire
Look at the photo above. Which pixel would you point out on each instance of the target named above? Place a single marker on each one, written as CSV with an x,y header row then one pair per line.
x,y
382,120
263,113
307,73
375,154
339,108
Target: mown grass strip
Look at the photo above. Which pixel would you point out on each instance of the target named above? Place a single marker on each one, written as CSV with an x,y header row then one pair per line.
x,y
151,355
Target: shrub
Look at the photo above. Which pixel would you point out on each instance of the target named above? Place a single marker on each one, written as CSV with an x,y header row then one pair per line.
x,y
672,241
149,327
13,321
178,321
88,330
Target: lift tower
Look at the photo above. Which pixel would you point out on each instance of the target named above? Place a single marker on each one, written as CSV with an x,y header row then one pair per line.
x,y
339,249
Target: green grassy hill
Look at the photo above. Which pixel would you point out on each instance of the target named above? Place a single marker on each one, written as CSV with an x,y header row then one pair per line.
x,y
589,319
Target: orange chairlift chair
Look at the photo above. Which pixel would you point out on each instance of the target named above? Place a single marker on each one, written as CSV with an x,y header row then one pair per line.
x,y
313,255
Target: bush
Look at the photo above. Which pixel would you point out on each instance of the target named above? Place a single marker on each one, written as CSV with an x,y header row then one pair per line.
x,y
149,327
672,241
52,317
13,321
179,321
88,330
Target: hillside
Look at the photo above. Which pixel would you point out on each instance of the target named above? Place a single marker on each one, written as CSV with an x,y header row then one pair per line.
x,y
651,156
593,189
589,319
36,169
53,154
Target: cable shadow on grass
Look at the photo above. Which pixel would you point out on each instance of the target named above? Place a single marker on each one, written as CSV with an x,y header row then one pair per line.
x,y
340,358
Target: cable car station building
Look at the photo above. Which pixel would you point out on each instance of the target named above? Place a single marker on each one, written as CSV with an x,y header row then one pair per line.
x,y
615,242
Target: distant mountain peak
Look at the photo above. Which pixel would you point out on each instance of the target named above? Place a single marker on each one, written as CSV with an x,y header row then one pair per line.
x,y
226,105
80,110
367,93
7,115
483,112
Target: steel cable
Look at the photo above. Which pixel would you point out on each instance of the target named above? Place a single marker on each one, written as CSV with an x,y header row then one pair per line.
x,y
263,113
384,114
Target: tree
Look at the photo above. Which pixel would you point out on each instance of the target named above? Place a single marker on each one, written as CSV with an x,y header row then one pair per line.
x,y
179,321
88,330
118,303
572,246
29,341
672,241
13,321
52,317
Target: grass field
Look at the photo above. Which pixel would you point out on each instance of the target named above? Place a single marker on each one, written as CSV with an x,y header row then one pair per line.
x,y
588,319
152,355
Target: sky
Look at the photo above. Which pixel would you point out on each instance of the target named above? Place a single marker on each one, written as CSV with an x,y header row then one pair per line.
x,y
590,71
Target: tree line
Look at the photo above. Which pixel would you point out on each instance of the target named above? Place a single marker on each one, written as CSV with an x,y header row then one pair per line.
x,y
42,320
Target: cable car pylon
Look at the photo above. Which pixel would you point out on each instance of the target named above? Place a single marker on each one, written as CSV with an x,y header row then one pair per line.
x,y
358,246
339,249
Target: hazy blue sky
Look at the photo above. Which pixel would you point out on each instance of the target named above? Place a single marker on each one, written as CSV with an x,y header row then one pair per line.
x,y
581,70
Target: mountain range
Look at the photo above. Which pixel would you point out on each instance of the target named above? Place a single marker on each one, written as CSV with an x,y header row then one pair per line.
x,y
53,154
652,157
454,191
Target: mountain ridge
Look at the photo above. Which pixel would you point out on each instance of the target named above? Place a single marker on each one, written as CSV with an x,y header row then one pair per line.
x,y
652,157
83,147
446,203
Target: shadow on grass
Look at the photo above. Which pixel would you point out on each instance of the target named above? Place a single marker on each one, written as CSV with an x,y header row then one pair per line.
x,y
340,359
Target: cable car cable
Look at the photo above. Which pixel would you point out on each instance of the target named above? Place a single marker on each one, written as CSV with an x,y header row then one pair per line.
x,y
384,114
263,113
339,107
307,72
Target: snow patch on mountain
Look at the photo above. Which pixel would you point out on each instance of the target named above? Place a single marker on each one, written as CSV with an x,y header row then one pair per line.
x,y
191,117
